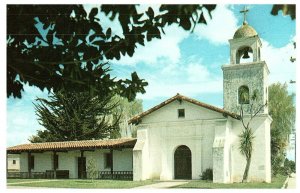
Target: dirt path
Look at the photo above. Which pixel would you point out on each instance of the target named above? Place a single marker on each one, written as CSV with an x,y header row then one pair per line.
x,y
292,182
162,185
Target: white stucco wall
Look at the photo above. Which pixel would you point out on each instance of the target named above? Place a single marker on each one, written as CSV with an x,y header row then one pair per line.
x,y
166,132
168,113
23,162
141,161
260,168
10,159
221,152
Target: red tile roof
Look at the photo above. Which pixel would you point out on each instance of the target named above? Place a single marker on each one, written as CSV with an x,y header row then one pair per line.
x,y
74,145
136,119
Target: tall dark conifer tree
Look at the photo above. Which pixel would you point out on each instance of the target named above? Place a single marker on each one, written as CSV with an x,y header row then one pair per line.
x,y
75,116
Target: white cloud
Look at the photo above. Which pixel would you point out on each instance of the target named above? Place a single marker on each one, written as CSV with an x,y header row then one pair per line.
x,y
197,72
191,89
188,77
167,48
220,28
278,60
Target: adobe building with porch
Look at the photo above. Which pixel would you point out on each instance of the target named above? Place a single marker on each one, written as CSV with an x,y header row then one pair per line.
x,y
179,138
70,159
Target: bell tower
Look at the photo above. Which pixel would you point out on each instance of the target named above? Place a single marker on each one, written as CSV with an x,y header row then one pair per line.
x,y
246,75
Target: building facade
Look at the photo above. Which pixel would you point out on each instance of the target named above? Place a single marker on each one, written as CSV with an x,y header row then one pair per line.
x,y
206,136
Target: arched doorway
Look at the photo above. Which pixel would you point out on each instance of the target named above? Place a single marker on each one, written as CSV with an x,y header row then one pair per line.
x,y
183,163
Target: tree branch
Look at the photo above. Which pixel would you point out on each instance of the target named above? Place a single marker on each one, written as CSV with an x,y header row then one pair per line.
x,y
242,116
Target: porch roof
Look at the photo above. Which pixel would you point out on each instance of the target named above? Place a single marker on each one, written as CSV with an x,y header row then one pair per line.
x,y
73,145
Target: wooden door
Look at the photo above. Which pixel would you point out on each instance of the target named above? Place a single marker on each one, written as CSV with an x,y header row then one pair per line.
x,y
183,163
81,160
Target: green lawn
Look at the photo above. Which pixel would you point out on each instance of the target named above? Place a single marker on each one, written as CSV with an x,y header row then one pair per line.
x,y
277,183
75,183
22,180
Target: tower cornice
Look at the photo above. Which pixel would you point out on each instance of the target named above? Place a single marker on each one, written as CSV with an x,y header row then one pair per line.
x,y
245,65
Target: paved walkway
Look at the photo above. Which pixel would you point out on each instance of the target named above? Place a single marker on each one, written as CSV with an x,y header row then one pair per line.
x,y
292,182
169,184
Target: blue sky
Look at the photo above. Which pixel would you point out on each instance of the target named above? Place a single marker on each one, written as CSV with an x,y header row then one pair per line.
x,y
181,62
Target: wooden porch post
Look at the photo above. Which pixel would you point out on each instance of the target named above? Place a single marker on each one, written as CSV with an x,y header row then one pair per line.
x,y
29,164
54,165
111,163
81,164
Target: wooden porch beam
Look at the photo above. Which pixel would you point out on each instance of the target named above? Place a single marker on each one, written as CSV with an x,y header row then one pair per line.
x,y
29,163
111,163
81,163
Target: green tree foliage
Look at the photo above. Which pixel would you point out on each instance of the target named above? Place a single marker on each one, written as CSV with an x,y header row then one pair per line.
x,y
290,166
75,116
116,115
282,110
287,9
70,48
127,110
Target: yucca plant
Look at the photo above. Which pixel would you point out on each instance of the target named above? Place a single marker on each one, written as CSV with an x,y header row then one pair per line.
x,y
246,147
247,136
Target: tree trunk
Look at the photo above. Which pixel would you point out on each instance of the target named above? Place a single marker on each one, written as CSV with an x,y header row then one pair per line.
x,y
245,176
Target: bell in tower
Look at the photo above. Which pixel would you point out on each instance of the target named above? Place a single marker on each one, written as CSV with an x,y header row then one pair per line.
x,y
245,42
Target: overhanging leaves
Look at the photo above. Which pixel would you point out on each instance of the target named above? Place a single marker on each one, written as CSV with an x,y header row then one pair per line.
x,y
64,52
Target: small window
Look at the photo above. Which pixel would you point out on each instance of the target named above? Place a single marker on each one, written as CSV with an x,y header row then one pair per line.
x,y
32,162
107,160
56,161
181,113
14,162
243,93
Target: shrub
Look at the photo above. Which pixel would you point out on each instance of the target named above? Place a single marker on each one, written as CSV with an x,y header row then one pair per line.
x,y
288,167
91,169
207,174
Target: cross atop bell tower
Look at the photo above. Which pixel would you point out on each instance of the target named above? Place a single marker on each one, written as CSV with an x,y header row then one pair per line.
x,y
244,11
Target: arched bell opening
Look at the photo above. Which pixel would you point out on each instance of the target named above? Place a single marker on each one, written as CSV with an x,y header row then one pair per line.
x,y
244,55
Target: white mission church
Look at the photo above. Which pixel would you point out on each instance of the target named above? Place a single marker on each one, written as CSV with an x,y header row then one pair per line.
x,y
177,139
